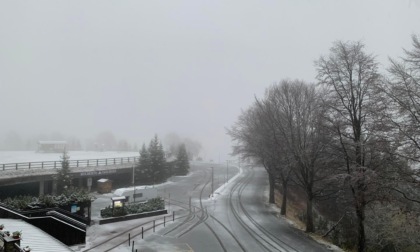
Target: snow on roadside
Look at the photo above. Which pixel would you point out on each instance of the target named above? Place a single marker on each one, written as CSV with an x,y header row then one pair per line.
x,y
222,189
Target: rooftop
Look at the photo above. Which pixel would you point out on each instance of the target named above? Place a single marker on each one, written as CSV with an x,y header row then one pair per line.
x,y
52,142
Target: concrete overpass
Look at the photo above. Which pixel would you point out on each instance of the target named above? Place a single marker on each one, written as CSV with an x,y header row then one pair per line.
x,y
36,178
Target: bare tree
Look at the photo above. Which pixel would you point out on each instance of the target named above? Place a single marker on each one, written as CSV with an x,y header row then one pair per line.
x,y
276,157
401,91
295,109
349,75
173,141
253,137
284,132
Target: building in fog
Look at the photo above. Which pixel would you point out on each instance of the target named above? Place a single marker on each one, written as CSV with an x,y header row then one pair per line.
x,y
51,146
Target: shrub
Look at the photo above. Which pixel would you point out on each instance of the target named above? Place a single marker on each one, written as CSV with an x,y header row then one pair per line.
x,y
149,206
48,201
19,202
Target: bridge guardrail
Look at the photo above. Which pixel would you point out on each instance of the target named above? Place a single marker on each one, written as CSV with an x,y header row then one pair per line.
x,y
72,163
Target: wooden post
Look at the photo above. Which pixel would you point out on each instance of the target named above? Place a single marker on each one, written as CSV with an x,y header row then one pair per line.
x,y
142,232
164,220
97,161
153,226
129,239
173,216
29,165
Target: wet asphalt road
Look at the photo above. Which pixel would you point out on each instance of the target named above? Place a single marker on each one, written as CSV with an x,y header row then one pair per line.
x,y
237,219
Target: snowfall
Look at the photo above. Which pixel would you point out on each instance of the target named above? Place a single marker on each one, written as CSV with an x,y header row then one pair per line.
x,y
97,233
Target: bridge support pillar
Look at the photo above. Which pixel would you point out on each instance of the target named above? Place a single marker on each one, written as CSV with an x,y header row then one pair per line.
x,y
89,183
54,187
41,187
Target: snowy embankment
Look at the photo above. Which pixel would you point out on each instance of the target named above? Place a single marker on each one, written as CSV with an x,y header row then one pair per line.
x,y
274,208
222,189
7,157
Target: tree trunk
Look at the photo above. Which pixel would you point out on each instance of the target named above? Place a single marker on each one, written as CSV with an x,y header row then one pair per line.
x,y
360,202
359,205
284,200
361,228
271,180
309,215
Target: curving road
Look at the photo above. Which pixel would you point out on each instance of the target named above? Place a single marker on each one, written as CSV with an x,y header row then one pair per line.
x,y
237,219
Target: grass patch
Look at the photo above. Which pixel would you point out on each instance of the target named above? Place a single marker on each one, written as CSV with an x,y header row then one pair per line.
x,y
295,209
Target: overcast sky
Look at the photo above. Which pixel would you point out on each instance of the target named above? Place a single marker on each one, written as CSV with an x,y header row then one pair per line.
x,y
137,68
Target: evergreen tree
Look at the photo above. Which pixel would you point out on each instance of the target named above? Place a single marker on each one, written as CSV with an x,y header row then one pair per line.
x,y
157,160
182,163
63,176
143,173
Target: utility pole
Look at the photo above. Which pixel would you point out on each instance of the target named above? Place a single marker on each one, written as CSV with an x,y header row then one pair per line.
x,y
227,171
133,175
212,175
134,185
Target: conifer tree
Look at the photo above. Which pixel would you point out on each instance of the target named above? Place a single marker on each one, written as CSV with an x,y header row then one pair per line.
x,y
157,160
63,175
182,163
143,172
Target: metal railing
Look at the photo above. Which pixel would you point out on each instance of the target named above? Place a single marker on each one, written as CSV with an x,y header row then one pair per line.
x,y
72,163
58,228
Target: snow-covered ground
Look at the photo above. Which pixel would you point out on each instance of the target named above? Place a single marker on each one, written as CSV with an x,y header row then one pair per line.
x,y
222,190
97,233
7,157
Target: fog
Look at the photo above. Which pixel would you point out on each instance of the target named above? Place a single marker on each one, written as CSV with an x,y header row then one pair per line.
x,y
139,68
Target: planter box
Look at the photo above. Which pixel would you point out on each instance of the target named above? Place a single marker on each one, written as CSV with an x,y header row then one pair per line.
x,y
132,216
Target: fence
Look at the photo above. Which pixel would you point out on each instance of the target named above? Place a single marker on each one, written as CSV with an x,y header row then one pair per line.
x,y
72,163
